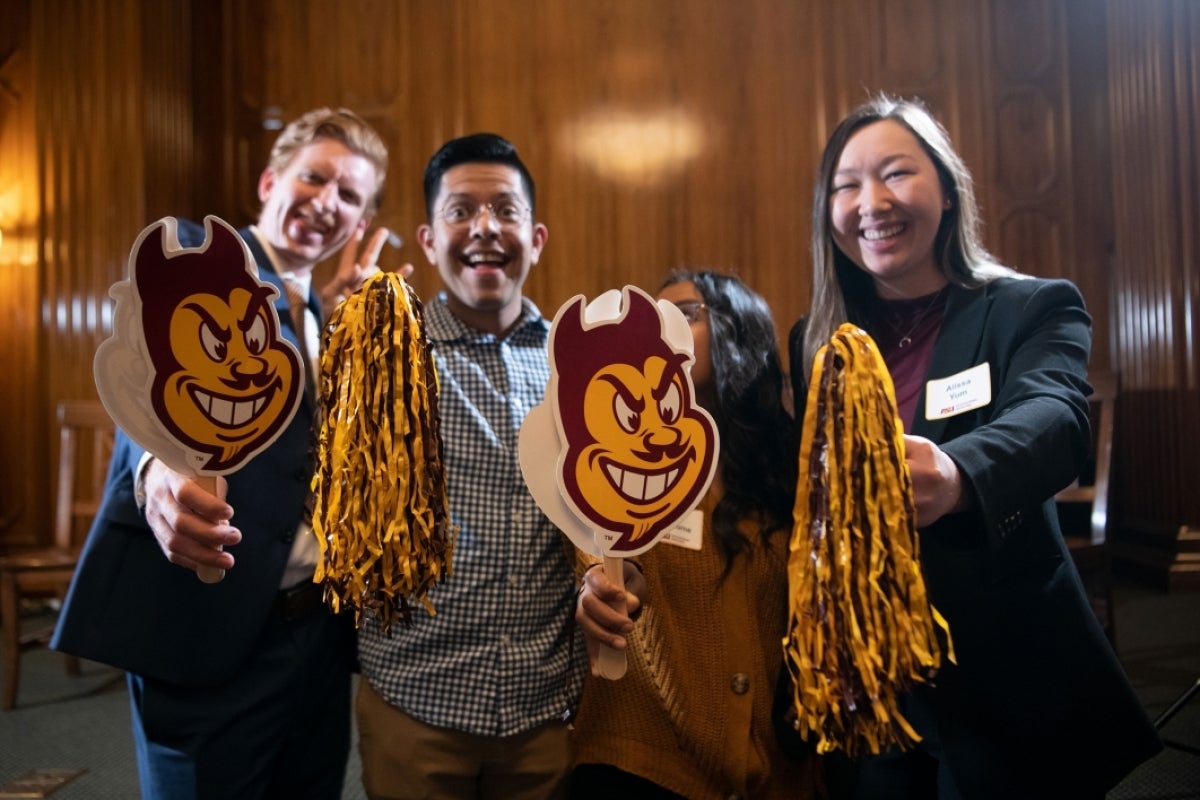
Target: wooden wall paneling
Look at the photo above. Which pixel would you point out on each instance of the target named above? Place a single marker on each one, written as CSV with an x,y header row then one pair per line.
x,y
733,86
1028,161
366,67
1152,56
596,62
209,96
434,45
1015,83
169,143
780,135
1184,570
80,174
625,125
1145,194
427,38
293,57
923,50
576,45
392,111
272,61
23,491
93,124
1091,175
742,203
850,56
912,51
1185,48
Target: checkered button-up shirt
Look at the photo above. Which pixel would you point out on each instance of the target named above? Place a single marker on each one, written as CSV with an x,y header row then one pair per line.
x,y
494,659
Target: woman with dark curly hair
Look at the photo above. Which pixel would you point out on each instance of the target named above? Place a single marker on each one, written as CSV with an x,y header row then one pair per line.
x,y
692,715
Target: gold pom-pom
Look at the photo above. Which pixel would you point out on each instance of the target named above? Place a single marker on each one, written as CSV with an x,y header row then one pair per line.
x,y
381,513
861,628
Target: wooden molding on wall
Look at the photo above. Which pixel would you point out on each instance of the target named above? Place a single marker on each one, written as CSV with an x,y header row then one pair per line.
x,y
1154,61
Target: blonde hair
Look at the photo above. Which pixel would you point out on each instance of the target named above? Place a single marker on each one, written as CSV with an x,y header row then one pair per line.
x,y
339,124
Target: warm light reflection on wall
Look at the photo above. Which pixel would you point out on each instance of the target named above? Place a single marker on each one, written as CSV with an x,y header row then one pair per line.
x,y
639,148
17,246
5,223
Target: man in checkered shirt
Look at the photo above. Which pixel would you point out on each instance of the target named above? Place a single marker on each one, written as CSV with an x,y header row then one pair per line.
x,y
469,702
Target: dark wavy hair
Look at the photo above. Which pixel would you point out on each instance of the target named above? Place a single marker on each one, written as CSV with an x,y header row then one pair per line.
x,y
758,437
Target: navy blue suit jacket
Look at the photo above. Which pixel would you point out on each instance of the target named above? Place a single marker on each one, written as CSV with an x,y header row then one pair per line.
x,y
1038,704
129,607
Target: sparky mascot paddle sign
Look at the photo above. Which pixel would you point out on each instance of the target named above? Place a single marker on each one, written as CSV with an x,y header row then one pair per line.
x,y
639,452
195,371
196,338
635,452
221,373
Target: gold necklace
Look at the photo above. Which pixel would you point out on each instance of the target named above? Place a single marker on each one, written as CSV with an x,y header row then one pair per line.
x,y
905,340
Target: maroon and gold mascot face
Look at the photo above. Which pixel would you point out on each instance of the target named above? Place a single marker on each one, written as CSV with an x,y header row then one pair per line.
x,y
224,380
639,451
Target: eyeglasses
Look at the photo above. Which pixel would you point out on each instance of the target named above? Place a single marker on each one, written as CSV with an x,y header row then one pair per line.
x,y
463,212
691,309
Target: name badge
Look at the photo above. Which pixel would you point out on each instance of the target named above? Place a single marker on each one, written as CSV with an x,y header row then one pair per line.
x,y
688,532
958,394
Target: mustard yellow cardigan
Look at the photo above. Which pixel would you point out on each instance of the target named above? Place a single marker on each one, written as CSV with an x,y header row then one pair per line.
x,y
693,711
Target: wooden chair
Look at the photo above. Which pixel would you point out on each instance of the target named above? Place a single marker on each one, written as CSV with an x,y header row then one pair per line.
x,y
1083,506
85,447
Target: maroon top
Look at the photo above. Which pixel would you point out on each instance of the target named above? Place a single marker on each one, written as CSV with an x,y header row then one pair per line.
x,y
907,331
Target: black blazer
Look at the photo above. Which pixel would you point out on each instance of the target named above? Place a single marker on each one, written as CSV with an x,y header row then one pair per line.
x,y
1038,704
129,607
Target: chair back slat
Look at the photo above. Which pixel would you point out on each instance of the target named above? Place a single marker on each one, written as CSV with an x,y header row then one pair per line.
x,y
85,427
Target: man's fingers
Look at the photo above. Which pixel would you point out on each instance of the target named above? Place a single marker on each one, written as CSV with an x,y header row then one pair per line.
x,y
203,503
374,248
349,256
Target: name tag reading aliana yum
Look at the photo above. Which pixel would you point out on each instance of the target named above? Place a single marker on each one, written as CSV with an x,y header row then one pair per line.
x,y
966,391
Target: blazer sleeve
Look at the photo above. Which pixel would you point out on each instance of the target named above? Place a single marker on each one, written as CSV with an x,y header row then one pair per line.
x,y
1032,440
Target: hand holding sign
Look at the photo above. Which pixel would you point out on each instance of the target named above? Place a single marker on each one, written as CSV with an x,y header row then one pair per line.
x,y
196,372
635,452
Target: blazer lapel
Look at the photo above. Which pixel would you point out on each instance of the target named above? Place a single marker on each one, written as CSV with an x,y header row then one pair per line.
x,y
957,349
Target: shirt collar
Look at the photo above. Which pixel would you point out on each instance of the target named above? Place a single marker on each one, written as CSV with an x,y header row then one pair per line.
x,y
304,281
443,326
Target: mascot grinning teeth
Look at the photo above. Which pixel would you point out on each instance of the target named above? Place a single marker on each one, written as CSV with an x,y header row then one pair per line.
x,y
639,451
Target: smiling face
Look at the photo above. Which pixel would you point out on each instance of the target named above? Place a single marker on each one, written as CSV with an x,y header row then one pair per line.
x,y
484,241
313,205
885,206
